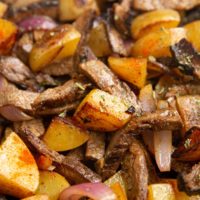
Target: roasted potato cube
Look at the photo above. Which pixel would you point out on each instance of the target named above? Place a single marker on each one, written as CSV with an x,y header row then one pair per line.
x,y
154,21
37,197
51,184
72,9
157,43
8,32
100,111
56,44
133,70
3,8
19,175
160,191
98,41
193,32
62,135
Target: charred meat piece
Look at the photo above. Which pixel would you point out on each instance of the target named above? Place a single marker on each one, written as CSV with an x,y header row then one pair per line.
x,y
136,172
160,4
189,109
60,96
121,140
95,149
189,149
77,153
105,79
71,168
187,58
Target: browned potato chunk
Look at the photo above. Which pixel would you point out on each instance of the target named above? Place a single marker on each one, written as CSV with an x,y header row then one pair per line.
x,y
63,135
133,70
72,9
54,45
100,111
157,43
154,21
8,33
19,175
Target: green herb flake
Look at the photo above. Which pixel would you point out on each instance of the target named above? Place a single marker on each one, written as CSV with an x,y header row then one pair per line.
x,y
187,143
80,86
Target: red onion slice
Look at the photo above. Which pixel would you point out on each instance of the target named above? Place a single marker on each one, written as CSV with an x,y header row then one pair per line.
x,y
14,114
163,149
96,191
37,22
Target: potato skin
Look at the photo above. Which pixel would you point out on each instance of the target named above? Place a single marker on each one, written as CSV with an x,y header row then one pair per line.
x,y
100,111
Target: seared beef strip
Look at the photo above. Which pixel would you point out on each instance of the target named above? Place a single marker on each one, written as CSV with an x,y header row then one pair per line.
x,y
71,168
121,140
160,4
136,172
187,58
77,153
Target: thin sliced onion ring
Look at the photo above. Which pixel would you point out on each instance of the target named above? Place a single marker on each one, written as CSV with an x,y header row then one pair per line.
x,y
37,22
14,114
163,149
96,191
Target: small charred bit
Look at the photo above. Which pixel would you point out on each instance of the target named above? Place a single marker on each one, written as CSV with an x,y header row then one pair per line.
x,y
189,148
95,148
191,15
131,110
41,7
187,58
189,110
70,168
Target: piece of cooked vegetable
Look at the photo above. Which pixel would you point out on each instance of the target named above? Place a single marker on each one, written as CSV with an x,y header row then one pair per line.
x,y
62,135
51,184
8,32
3,9
153,21
193,32
56,44
157,43
117,184
95,191
72,9
43,162
19,175
37,197
133,70
100,111
160,191
98,41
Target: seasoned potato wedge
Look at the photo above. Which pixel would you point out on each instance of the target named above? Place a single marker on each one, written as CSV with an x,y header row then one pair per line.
x,y
157,43
160,191
133,70
98,41
56,44
51,184
72,9
63,135
19,175
100,111
193,32
3,8
153,21
37,197
8,32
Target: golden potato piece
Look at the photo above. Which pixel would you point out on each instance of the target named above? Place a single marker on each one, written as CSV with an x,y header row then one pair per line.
x,y
160,191
154,21
72,9
54,45
193,32
133,70
19,175
8,32
100,111
51,184
37,197
63,135
3,9
157,43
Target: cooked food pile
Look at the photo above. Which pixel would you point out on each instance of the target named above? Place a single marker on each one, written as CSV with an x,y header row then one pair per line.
x,y
100,99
